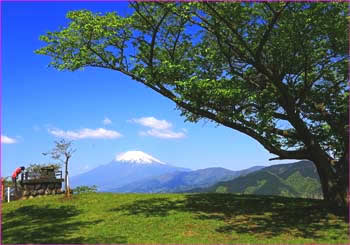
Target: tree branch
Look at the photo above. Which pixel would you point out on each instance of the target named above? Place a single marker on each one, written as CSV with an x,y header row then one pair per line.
x,y
300,154
281,116
229,25
154,35
175,44
267,33
136,6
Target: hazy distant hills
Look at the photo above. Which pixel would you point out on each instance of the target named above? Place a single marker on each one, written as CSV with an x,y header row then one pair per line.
x,y
183,181
299,179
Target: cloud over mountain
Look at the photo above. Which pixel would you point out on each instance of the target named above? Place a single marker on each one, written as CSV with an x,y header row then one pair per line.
x,y
158,128
86,133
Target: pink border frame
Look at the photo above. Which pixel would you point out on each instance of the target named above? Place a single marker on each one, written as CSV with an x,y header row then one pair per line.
x,y
141,1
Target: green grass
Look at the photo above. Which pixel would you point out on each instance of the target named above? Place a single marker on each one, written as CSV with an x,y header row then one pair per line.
x,y
172,218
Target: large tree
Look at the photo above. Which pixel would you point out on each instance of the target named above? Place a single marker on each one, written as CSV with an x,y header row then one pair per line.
x,y
274,71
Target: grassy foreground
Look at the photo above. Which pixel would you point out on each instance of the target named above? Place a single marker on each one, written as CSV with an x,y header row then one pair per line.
x,y
172,218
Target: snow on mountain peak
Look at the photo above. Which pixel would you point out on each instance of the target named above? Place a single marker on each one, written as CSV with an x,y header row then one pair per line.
x,y
136,157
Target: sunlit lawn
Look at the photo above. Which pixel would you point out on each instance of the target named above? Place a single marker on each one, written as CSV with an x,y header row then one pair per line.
x,y
172,218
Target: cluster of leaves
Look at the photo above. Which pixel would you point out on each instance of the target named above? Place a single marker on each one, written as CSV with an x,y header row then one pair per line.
x,y
85,189
37,168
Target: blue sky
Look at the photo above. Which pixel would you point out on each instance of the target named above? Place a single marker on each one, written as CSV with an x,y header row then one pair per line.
x,y
103,111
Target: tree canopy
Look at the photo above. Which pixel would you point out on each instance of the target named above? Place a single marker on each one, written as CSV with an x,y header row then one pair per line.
x,y
274,71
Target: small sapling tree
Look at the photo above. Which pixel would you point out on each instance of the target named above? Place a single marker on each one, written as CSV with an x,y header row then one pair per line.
x,y
62,152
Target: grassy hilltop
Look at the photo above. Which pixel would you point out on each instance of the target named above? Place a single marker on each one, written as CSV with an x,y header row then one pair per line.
x,y
298,179
172,218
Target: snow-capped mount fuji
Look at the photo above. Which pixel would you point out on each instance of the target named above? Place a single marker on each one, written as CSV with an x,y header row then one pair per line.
x,y
126,168
137,157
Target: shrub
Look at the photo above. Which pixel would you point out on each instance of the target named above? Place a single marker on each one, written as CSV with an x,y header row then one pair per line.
x,y
85,189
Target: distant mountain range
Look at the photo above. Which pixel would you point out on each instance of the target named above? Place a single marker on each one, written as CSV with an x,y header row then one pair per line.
x,y
136,171
183,180
299,179
126,168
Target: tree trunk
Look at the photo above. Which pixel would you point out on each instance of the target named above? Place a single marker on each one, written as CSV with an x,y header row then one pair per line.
x,y
65,178
334,185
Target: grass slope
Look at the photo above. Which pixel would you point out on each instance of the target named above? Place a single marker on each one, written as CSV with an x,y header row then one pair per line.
x,y
172,218
298,179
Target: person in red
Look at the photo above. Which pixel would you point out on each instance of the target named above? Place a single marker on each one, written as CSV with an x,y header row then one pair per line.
x,y
2,188
15,175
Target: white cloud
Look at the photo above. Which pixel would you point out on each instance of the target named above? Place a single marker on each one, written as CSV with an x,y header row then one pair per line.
x,y
86,133
159,128
153,123
107,121
164,134
7,140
